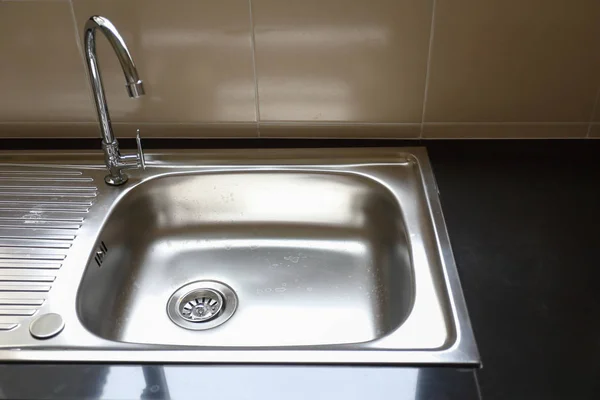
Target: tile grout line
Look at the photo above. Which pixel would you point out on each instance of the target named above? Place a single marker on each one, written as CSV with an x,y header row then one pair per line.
x,y
308,123
77,40
589,130
510,123
157,123
253,46
427,68
79,45
32,1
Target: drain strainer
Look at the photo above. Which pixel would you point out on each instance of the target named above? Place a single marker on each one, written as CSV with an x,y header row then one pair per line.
x,y
202,305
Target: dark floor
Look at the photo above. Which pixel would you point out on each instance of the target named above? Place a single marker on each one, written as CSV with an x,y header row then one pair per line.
x,y
524,225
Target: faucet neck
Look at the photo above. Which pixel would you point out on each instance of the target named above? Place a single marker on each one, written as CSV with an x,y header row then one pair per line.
x,y
133,82
115,162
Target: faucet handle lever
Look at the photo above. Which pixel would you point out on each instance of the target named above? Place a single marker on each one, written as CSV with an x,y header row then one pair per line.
x,y
140,150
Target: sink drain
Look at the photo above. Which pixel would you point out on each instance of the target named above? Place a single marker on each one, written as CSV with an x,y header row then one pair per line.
x,y
202,305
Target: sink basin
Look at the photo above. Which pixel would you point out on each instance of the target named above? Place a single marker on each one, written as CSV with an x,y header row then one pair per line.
x,y
315,258
340,256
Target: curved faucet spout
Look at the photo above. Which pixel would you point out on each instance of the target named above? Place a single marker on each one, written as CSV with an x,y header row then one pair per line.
x,y
115,162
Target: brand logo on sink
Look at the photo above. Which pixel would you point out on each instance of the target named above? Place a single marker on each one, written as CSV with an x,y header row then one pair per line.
x,y
101,253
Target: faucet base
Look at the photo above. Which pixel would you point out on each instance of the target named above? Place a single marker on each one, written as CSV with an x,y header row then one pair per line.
x,y
116,180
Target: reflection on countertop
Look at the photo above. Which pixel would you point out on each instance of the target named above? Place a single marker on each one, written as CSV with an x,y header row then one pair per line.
x,y
233,382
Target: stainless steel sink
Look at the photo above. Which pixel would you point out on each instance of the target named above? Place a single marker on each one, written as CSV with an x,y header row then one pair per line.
x,y
269,256
315,258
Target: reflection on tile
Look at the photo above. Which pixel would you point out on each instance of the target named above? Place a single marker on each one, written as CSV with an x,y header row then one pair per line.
x,y
339,131
41,74
195,58
512,60
175,131
504,130
333,60
596,117
595,131
49,130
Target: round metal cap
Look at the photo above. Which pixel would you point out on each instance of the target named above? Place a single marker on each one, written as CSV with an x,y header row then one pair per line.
x,y
46,326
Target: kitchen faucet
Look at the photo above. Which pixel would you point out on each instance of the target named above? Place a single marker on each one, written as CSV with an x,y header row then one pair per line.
x,y
115,162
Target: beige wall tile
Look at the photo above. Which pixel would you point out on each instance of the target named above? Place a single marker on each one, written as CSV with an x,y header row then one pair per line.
x,y
195,58
41,74
338,60
307,130
504,131
514,60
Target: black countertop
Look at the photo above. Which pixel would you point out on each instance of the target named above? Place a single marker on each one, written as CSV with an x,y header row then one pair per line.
x,y
524,222
523,219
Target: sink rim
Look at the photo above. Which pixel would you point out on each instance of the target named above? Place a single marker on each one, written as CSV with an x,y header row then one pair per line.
x,y
463,351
